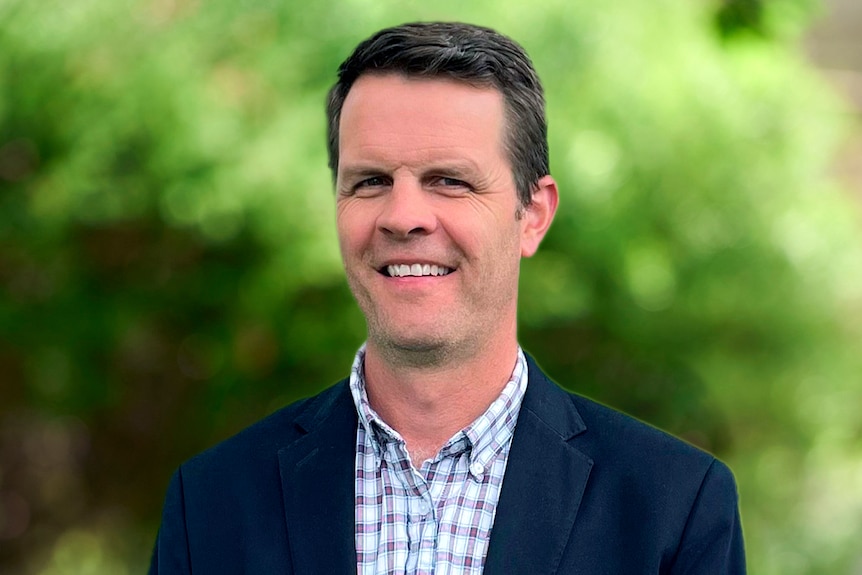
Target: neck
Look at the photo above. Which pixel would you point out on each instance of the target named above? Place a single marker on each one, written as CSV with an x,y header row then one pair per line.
x,y
428,403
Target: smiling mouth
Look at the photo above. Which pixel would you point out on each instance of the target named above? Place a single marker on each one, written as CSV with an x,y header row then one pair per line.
x,y
415,270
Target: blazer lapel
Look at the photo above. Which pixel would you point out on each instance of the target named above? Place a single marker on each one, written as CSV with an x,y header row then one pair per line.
x,y
317,474
543,486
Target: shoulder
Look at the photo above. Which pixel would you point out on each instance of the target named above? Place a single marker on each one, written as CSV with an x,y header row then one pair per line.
x,y
636,455
622,447
610,430
651,498
262,440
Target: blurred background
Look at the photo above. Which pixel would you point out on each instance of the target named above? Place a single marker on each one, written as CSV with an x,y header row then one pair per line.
x,y
169,270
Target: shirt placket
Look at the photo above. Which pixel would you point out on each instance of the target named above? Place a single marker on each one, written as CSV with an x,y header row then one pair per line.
x,y
421,524
422,529
420,521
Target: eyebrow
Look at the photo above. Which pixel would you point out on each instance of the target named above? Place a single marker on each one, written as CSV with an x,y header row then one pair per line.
x,y
459,169
353,172
443,168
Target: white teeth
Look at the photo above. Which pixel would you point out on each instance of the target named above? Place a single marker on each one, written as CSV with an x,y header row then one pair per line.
x,y
418,270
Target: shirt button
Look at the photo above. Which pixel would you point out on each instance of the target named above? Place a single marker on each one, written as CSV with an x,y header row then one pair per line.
x,y
424,508
477,469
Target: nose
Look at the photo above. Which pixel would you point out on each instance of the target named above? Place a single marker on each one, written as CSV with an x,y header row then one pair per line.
x,y
407,211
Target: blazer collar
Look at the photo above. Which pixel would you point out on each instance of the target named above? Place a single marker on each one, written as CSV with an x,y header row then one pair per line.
x,y
543,485
317,476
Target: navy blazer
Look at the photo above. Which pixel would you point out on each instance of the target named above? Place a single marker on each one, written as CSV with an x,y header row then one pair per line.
x,y
587,490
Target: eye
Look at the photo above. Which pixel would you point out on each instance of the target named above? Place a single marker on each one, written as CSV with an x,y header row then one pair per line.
x,y
452,182
369,186
374,182
450,185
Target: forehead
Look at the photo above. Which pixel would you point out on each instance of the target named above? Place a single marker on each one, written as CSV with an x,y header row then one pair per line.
x,y
396,114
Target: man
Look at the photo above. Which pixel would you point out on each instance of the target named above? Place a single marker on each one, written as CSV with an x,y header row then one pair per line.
x,y
447,450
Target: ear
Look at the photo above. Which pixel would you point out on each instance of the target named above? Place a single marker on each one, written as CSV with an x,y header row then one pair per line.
x,y
537,217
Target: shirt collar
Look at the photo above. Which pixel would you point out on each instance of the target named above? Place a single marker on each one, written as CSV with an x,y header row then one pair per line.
x,y
377,429
483,438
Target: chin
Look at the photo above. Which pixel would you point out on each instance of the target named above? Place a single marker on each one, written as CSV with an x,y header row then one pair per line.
x,y
412,349
428,350
412,343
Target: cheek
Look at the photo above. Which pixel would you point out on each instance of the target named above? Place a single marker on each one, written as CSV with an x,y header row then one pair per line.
x,y
508,240
344,241
351,229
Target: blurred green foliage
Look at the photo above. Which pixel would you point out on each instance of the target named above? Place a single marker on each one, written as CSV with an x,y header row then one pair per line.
x,y
169,271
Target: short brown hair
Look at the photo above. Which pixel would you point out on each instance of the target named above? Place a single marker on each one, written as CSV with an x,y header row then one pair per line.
x,y
473,54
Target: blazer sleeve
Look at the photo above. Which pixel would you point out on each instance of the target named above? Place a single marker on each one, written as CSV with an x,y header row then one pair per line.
x,y
171,552
712,538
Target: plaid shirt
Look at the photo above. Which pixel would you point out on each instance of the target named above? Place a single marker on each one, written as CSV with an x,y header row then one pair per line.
x,y
436,519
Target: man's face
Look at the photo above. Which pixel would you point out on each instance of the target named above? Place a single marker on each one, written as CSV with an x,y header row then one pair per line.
x,y
427,213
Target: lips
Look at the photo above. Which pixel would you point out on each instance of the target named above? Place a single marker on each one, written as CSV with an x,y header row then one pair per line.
x,y
415,270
